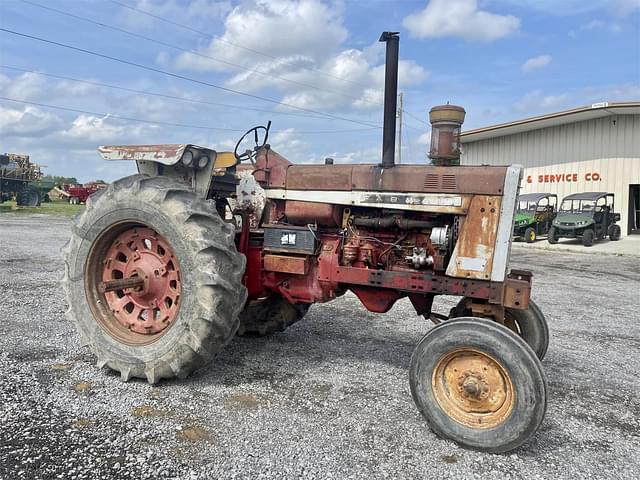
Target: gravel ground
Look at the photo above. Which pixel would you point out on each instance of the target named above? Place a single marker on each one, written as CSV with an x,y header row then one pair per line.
x,y
329,398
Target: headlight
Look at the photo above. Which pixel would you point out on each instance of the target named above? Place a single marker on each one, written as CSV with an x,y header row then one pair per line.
x,y
203,161
187,158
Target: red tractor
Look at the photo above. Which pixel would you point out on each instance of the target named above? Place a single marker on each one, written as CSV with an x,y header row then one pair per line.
x,y
161,272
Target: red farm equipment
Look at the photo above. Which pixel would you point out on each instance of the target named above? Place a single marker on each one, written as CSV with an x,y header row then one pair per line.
x,y
161,272
77,194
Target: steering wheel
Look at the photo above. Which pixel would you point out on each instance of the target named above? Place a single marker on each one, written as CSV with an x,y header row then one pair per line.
x,y
249,154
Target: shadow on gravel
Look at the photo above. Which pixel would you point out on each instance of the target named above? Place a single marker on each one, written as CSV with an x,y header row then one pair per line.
x,y
309,346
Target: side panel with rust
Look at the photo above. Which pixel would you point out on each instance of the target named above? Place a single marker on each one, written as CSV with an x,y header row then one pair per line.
x,y
274,171
401,178
473,254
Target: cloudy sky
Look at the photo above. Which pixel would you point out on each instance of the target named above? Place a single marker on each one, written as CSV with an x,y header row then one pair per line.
x,y
204,71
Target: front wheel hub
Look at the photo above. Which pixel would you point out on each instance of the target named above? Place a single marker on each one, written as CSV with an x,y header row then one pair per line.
x,y
473,388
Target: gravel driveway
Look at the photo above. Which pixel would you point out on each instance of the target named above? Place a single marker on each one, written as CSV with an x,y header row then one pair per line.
x,y
329,398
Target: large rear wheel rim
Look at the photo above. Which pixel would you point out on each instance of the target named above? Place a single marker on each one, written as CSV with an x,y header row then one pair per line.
x,y
141,315
473,388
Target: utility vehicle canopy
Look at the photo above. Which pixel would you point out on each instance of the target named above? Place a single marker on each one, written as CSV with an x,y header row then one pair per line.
x,y
534,197
586,196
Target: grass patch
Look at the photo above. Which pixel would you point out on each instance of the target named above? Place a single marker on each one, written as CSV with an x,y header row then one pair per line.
x,y
59,209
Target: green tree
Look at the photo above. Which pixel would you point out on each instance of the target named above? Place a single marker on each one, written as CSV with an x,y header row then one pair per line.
x,y
59,180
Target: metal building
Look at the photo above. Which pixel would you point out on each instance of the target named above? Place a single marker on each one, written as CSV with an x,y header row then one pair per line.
x,y
595,148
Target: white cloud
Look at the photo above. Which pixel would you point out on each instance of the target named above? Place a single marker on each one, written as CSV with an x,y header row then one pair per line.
x,y
27,121
296,31
536,63
602,25
289,144
201,11
536,101
615,8
305,58
23,87
424,138
92,129
363,155
459,18
611,93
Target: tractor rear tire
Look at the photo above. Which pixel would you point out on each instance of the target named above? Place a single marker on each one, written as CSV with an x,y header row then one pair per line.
x,y
552,235
28,197
142,223
530,235
530,324
614,233
588,237
269,315
478,384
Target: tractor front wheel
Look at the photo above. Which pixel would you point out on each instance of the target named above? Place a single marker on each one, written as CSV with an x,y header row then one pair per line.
x,y
269,315
478,384
530,324
552,236
153,279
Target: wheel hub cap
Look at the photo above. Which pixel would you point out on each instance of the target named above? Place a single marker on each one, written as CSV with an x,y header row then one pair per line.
x,y
152,307
473,388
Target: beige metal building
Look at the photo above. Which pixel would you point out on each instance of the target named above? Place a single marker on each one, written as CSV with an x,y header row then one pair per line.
x,y
587,149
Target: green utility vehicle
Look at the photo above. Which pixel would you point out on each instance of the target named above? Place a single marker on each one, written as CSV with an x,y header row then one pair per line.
x,y
589,216
535,215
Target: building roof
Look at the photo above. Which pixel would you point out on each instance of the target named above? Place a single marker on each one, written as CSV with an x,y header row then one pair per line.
x,y
597,110
534,197
586,196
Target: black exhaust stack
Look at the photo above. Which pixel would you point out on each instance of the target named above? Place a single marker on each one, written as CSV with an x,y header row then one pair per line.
x,y
390,98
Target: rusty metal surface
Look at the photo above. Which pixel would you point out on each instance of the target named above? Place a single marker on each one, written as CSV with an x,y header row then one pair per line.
x,y
275,171
132,315
167,154
517,291
120,284
271,169
487,310
321,177
402,178
286,264
429,178
473,388
473,254
324,214
446,122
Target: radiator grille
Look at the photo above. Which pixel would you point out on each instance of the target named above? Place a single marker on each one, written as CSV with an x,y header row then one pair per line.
x,y
435,182
432,181
449,182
